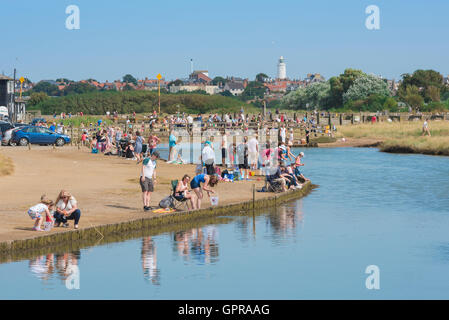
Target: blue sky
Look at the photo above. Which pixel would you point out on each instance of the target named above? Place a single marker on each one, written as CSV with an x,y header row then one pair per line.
x,y
241,38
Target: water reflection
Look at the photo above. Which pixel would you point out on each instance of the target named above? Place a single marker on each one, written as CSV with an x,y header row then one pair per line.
x,y
198,244
149,261
285,221
46,267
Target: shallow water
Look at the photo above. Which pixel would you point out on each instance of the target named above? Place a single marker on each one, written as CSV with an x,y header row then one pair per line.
x,y
371,208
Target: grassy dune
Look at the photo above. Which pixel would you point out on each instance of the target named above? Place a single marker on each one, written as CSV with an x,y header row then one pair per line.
x,y
6,166
405,137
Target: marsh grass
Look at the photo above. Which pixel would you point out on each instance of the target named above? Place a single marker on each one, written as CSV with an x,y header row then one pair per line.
x,y
6,166
403,137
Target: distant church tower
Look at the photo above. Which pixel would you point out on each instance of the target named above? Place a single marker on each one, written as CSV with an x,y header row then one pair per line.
x,y
282,69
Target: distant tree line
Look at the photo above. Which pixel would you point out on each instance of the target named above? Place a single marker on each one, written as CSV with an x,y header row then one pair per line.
x,y
357,91
99,102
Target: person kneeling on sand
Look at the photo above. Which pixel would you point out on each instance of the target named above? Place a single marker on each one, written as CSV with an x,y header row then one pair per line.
x,y
182,191
66,209
208,183
35,212
148,179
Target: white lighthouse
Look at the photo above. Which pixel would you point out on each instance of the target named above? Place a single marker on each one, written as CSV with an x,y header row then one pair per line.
x,y
282,69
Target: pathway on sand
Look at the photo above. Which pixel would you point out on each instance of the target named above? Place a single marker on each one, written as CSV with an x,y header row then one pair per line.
x,y
106,187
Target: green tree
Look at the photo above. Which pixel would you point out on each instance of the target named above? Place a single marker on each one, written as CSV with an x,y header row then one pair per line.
x,y
314,96
348,78
79,88
129,79
47,87
429,83
253,90
365,86
261,77
37,97
412,97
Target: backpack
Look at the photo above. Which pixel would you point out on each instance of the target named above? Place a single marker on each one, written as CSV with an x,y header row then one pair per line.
x,y
166,202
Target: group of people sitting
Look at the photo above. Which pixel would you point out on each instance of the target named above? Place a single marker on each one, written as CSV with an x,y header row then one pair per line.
x,y
113,141
56,212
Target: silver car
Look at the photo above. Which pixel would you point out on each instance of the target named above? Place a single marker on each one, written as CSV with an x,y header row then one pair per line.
x,y
6,138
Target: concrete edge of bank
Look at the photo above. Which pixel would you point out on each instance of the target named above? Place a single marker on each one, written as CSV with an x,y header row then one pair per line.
x,y
8,249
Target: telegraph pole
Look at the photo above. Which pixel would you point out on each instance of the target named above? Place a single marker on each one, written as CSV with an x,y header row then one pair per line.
x,y
13,116
159,77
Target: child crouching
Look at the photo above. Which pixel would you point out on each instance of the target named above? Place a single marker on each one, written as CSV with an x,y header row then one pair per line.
x,y
36,212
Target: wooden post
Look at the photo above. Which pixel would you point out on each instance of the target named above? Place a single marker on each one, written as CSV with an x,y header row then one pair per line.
x,y
254,196
352,118
341,119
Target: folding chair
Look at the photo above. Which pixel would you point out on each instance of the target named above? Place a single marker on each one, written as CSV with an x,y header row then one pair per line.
x,y
178,205
273,186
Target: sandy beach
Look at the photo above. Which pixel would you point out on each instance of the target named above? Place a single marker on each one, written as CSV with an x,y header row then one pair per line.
x,y
106,187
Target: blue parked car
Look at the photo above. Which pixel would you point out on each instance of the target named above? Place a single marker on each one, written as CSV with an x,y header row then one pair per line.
x,y
38,135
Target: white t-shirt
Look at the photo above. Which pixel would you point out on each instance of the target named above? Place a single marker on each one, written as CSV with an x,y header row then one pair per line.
x,y
148,169
283,132
252,145
190,119
208,154
70,204
224,143
38,208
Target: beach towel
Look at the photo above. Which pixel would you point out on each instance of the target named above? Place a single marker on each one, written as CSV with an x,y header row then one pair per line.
x,y
161,210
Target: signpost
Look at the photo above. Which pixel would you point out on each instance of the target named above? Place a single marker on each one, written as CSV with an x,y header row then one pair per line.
x,y
159,77
21,86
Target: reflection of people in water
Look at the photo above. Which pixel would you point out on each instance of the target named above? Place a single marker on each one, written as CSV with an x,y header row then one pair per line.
x,y
42,267
65,262
199,244
182,243
59,264
149,261
285,218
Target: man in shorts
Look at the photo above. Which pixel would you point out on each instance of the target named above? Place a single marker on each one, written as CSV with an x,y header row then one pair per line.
x,y
148,179
253,152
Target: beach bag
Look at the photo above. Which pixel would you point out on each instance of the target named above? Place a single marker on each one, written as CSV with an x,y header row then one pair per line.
x,y
167,202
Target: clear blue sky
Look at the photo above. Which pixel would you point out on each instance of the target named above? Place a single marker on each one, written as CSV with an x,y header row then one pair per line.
x,y
232,37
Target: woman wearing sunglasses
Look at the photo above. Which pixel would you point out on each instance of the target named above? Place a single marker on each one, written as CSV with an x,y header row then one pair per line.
x,y
66,209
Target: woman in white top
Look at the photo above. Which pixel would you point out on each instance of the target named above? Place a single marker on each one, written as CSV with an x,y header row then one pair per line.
x,y
66,209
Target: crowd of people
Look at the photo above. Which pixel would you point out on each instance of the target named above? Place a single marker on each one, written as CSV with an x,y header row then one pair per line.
x,y
241,157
